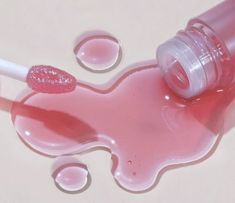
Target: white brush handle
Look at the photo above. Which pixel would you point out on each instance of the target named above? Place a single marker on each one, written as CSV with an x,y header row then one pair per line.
x,y
13,70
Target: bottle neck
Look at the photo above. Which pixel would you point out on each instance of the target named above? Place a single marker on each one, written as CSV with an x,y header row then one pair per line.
x,y
195,60
211,47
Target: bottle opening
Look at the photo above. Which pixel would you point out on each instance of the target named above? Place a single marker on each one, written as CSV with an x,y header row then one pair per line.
x,y
177,74
182,69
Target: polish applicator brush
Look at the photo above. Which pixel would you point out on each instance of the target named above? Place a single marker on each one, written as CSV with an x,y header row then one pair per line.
x,y
40,78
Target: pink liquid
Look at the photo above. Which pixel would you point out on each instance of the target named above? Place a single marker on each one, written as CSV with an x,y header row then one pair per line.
x,y
70,175
144,125
97,51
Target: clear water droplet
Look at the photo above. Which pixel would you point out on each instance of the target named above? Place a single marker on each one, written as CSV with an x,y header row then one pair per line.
x,y
98,51
70,175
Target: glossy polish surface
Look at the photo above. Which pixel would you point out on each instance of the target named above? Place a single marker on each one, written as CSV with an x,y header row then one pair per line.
x,y
97,51
143,124
69,174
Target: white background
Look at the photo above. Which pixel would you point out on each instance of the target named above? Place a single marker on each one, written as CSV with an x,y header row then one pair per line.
x,y
43,32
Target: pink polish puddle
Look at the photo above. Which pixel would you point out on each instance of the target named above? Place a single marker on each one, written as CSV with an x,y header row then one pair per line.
x,y
48,79
70,175
97,51
136,117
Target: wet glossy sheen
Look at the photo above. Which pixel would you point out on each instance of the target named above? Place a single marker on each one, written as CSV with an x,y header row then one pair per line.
x,y
69,174
97,51
144,125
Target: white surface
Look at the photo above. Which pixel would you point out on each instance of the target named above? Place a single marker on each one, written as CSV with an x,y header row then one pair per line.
x,y
42,31
13,70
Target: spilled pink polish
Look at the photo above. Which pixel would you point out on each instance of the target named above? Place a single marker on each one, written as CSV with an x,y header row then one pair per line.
x,y
48,79
97,51
136,117
69,174
144,124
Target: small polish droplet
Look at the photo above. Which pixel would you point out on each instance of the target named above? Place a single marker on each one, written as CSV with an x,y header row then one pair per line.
x,y
70,175
97,51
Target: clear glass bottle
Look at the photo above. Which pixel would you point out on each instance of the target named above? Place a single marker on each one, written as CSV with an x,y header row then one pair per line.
x,y
202,56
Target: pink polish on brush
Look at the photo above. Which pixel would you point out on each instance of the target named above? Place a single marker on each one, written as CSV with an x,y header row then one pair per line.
x,y
41,78
202,56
